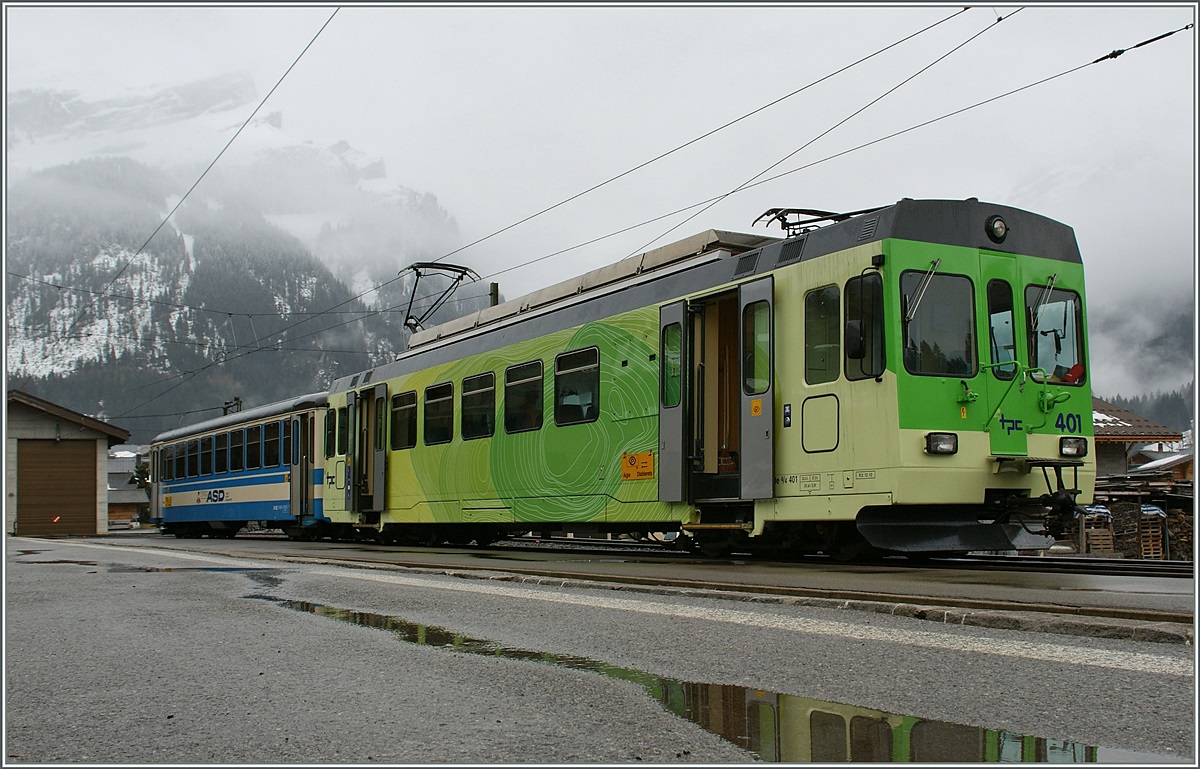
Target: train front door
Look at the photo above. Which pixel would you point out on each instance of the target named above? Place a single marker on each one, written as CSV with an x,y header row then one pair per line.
x,y
1002,386
716,410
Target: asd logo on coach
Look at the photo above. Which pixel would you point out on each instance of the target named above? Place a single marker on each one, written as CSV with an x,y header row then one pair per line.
x,y
212,495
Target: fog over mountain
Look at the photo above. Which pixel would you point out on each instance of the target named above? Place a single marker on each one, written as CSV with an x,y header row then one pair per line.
x,y
228,298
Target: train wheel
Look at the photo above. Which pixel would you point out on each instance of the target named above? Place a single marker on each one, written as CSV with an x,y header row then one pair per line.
x,y
712,547
852,546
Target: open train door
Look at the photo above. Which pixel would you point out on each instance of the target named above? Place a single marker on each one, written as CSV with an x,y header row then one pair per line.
x,y
674,464
370,451
757,465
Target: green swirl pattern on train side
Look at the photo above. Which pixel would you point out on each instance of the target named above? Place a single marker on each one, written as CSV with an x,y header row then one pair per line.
x,y
555,473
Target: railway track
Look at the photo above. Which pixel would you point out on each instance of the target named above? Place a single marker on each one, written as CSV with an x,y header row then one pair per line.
x,y
1055,564
974,562
1070,565
811,580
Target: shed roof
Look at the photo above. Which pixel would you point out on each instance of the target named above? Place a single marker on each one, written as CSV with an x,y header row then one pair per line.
x,y
115,434
1165,463
127,496
1113,423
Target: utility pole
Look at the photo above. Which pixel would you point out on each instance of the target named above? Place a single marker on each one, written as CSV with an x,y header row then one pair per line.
x,y
233,406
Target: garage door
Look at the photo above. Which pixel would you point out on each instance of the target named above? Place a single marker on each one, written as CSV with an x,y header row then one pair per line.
x,y
56,488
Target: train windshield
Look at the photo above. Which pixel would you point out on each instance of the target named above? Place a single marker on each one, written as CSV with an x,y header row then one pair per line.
x,y
1055,329
939,335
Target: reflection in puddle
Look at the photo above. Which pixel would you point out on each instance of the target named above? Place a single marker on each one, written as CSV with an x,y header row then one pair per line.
x,y
776,727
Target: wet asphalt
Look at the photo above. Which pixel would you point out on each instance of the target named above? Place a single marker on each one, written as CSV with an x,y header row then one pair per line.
x,y
151,657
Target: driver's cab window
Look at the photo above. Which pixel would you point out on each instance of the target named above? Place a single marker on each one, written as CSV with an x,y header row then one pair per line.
x,y
1055,333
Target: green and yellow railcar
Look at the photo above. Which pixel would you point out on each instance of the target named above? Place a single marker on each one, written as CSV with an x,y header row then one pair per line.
x,y
909,379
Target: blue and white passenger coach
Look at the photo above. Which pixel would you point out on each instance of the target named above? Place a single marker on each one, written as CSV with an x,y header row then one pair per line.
x,y
264,464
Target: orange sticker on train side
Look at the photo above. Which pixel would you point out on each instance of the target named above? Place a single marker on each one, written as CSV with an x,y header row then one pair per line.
x,y
637,467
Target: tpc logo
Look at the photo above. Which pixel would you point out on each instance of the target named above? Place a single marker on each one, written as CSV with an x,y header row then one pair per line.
x,y
1009,425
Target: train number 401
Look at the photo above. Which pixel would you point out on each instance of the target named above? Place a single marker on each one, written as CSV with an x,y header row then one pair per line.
x,y
1069,423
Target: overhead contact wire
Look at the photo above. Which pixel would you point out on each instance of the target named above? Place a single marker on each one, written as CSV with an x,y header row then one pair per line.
x,y
1112,55
832,128
83,311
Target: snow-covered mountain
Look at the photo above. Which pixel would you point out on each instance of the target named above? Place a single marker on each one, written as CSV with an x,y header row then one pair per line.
x,y
258,286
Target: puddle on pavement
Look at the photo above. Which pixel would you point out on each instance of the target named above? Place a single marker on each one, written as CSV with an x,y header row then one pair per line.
x,y
187,568
776,727
263,575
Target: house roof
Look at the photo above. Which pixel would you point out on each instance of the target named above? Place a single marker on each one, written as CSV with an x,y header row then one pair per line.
x,y
1165,463
114,433
127,496
1113,423
125,465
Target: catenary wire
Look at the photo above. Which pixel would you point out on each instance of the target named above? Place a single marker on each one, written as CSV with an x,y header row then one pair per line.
x,y
167,218
1115,54
333,310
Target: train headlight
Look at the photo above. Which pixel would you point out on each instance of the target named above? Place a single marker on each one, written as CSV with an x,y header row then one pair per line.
x,y
941,443
1072,447
997,229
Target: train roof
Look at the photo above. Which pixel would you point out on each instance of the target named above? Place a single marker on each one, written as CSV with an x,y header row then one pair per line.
x,y
249,415
714,258
702,243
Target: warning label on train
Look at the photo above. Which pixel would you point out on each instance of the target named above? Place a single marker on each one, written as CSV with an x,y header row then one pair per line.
x,y
635,467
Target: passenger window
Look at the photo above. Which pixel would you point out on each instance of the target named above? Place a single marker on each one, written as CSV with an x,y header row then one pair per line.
x,y
671,373
439,414
206,455
479,406
1055,333
271,444
167,457
828,733
943,742
180,461
870,740
236,458
193,457
939,335
1001,337
863,342
756,348
380,423
577,387
404,420
253,447
330,432
523,397
221,460
822,335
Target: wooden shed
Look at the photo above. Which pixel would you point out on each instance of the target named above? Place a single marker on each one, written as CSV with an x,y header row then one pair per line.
x,y
56,468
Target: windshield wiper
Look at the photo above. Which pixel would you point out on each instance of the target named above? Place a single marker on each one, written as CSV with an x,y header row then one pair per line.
x,y
919,293
1041,300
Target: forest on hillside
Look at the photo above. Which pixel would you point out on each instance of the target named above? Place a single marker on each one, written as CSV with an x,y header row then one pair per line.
x,y
1174,409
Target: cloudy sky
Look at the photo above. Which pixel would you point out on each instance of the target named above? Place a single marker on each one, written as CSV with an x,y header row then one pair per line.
x,y
504,111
